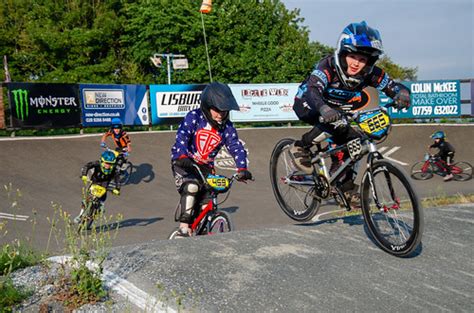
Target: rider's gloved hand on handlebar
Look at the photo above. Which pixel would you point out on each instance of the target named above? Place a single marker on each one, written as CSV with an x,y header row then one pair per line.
x,y
103,145
402,100
329,114
244,174
84,179
185,163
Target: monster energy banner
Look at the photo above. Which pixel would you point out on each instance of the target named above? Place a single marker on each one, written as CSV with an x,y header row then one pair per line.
x,y
44,105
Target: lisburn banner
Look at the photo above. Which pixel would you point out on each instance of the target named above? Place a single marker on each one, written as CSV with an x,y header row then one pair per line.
x,y
173,101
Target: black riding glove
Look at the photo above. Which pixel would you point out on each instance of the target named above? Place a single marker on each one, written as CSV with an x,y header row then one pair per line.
x,y
402,100
328,114
185,163
244,175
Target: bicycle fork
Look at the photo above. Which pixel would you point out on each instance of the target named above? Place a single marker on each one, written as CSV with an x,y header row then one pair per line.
x,y
374,154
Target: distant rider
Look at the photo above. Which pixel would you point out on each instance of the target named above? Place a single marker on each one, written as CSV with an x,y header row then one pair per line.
x,y
101,172
445,151
199,138
334,86
121,140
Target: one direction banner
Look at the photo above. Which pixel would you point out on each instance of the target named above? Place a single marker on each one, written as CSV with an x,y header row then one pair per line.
x,y
102,103
42,105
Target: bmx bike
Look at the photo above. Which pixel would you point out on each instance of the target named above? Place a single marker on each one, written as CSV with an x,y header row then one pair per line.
x,y
389,203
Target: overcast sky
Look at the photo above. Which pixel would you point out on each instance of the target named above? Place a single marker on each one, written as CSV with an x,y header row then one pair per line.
x,y
434,35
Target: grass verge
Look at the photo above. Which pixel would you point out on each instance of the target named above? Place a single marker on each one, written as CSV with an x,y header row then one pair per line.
x,y
10,295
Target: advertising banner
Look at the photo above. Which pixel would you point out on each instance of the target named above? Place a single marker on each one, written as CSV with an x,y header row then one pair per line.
x,y
430,99
44,105
264,102
101,103
472,97
173,101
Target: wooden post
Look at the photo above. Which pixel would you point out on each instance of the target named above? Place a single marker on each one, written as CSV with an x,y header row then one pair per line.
x,y
2,109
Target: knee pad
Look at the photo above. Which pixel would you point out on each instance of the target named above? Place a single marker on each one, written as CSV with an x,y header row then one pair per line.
x,y
189,191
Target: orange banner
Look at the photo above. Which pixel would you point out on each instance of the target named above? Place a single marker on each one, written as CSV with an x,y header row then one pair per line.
x,y
206,6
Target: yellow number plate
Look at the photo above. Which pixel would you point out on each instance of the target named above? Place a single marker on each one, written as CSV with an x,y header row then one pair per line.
x,y
376,123
218,183
97,191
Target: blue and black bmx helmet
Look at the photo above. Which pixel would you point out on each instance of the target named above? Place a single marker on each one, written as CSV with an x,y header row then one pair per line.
x,y
107,161
116,123
361,39
438,135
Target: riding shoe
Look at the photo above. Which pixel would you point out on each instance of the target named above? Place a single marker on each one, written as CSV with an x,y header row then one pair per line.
x,y
301,159
448,177
354,199
182,233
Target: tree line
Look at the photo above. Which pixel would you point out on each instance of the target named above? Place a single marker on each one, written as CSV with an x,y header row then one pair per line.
x,y
111,41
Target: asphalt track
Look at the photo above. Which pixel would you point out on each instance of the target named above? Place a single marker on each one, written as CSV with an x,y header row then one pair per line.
x,y
329,266
47,171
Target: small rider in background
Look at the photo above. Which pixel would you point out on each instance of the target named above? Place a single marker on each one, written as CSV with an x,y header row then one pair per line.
x,y
121,140
200,136
445,151
101,172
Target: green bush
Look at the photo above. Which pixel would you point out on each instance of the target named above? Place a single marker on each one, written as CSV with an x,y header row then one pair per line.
x,y
9,295
15,256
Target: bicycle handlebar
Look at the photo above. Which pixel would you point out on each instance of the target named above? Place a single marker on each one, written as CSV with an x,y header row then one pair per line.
x,y
231,179
349,116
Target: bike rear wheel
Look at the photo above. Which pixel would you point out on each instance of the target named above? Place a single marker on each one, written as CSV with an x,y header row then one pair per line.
x,y
422,170
461,171
397,225
125,173
296,201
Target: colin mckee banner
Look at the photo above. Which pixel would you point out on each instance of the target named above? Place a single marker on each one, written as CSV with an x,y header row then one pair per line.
x,y
430,99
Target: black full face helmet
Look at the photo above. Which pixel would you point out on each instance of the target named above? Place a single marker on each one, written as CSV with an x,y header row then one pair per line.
x,y
219,97
357,38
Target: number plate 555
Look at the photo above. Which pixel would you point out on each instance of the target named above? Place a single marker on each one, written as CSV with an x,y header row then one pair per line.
x,y
355,148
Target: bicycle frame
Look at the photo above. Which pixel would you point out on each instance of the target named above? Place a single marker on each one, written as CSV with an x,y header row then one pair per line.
x,y
204,215
366,147
212,206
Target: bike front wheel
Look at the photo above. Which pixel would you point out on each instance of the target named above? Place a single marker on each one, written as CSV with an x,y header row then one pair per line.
x,y
125,173
392,210
422,170
88,217
296,199
461,171
220,223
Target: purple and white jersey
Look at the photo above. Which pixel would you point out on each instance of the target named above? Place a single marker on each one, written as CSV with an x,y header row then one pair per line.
x,y
197,139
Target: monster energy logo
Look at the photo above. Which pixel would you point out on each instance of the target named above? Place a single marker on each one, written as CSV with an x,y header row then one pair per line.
x,y
20,98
